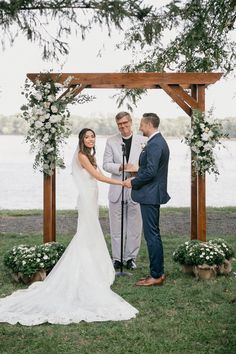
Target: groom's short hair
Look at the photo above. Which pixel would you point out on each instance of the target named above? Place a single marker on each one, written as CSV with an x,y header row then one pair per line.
x,y
122,115
152,118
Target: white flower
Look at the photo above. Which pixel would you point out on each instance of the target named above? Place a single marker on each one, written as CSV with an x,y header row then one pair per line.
x,y
38,96
143,145
46,104
54,109
45,257
51,98
38,124
55,118
68,81
58,85
205,136
42,118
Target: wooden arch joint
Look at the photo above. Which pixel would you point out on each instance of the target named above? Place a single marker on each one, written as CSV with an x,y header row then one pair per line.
x,y
72,90
181,97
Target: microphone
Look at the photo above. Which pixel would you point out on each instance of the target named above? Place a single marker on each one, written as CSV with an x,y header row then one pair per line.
x,y
123,148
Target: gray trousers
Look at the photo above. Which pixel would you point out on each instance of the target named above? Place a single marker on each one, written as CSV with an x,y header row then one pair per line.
x,y
132,227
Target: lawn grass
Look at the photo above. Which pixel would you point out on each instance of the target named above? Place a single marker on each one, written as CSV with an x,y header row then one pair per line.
x,y
185,316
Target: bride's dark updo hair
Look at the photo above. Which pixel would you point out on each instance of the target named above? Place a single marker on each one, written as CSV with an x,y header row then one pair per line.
x,y
90,153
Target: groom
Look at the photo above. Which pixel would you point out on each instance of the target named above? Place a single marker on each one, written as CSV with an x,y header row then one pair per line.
x,y
149,188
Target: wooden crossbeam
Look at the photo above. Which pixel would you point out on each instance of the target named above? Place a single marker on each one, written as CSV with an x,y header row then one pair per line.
x,y
134,80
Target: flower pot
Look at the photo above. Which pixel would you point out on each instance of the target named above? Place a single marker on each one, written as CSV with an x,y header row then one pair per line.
x,y
40,275
15,277
24,278
205,272
226,267
187,268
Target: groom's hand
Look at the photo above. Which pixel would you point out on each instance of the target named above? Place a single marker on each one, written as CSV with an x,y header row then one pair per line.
x,y
127,183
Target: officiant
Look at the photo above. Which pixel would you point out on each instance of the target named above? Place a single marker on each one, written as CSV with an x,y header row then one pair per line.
x,y
113,163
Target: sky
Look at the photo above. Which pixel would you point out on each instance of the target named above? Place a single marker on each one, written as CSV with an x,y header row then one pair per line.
x,y
25,57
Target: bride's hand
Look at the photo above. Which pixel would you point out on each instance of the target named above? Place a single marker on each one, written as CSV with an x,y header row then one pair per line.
x,y
127,183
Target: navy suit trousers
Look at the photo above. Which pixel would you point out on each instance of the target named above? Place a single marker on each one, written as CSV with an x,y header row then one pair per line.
x,y
150,216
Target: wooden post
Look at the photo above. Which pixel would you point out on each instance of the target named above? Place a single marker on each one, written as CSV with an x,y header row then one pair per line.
x,y
49,210
201,208
201,179
194,185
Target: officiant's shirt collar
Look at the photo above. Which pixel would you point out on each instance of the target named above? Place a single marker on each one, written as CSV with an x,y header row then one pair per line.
x,y
127,137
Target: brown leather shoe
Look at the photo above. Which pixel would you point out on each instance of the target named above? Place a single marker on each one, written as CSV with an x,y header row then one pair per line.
x,y
150,281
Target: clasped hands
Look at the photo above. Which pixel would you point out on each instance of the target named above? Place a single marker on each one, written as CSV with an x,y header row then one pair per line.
x,y
127,183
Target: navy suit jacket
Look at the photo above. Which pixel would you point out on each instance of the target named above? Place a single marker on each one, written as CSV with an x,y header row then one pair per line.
x,y
150,184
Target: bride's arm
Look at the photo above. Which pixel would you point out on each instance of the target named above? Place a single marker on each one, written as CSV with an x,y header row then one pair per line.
x,y
85,163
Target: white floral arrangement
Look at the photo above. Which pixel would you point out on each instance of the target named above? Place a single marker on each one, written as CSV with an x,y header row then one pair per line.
x,y
27,260
195,252
47,116
202,138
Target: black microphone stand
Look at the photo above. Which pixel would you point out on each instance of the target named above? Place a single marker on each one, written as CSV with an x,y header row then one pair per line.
x,y
121,273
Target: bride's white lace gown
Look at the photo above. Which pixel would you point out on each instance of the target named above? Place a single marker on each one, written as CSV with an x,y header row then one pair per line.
x,y
78,287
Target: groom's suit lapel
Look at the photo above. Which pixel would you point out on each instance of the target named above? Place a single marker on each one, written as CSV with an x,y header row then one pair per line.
x,y
156,136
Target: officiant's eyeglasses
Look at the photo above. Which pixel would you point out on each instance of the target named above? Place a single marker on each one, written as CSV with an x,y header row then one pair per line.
x,y
122,123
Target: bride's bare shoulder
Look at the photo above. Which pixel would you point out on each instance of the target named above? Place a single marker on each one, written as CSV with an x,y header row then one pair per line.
x,y
83,159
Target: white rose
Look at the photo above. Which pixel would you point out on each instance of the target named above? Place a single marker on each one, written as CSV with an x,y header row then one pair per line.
x,y
39,111
55,118
205,136
54,109
42,118
48,125
38,124
46,104
38,96
202,126
51,98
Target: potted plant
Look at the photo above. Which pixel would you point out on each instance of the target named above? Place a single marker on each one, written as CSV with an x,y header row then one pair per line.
x,y
226,267
33,263
205,257
180,256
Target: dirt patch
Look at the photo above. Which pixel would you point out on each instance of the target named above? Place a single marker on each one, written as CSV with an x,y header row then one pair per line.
x,y
174,223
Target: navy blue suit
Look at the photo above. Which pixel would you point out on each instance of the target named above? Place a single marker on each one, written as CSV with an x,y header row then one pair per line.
x,y
149,189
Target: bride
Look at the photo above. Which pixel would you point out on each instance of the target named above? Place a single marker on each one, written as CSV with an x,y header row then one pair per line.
x,y
78,287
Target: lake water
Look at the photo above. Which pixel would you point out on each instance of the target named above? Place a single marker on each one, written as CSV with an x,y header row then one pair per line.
x,y
22,188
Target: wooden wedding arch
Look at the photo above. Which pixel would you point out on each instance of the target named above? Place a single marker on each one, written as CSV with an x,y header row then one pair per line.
x,y
186,89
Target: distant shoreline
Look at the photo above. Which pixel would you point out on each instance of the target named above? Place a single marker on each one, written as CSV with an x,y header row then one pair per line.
x,y
106,136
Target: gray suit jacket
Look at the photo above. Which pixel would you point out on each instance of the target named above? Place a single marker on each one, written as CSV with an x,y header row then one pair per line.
x,y
112,159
